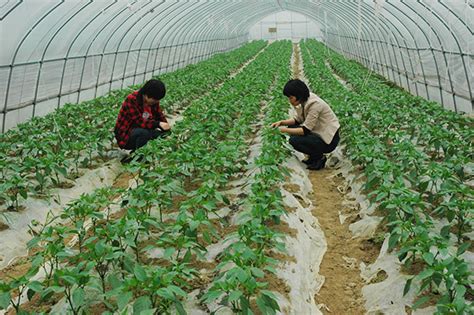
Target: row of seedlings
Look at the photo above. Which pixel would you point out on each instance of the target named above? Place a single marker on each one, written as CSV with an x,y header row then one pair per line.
x,y
417,191
240,283
49,151
108,266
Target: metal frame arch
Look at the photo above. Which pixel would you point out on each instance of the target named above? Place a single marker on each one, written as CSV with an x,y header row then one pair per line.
x,y
4,112
11,9
389,32
107,42
435,14
131,43
149,49
347,26
351,14
185,27
106,24
205,34
408,48
462,54
347,29
72,44
156,35
379,32
199,33
431,48
252,19
145,10
368,9
182,15
216,31
38,77
417,48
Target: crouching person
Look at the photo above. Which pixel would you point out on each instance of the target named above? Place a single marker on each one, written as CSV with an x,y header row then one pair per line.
x,y
140,118
315,128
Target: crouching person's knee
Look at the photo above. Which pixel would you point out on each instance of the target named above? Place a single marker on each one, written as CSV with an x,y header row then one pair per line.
x,y
293,141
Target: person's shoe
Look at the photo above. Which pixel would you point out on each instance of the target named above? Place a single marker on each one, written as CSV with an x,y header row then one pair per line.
x,y
318,165
308,161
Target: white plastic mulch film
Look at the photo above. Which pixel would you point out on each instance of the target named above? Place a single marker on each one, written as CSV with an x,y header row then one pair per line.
x,y
58,51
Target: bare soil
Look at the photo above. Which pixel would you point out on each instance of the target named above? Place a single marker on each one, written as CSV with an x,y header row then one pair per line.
x,y
3,226
342,289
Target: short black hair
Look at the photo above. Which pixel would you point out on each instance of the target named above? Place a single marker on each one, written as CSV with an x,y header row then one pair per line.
x,y
154,89
298,89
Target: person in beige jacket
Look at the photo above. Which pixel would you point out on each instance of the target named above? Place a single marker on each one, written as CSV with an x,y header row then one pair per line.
x,y
315,128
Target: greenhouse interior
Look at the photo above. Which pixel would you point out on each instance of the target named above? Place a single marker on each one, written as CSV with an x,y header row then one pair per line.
x,y
236,157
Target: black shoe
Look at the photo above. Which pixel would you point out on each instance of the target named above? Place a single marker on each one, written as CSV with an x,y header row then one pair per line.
x,y
308,161
318,165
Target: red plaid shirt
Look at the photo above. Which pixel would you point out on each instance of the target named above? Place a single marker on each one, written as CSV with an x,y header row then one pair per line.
x,y
132,116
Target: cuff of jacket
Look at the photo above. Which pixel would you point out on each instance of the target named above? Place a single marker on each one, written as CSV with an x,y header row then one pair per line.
x,y
156,124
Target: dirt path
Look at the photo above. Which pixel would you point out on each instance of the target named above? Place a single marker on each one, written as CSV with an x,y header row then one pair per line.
x,y
341,292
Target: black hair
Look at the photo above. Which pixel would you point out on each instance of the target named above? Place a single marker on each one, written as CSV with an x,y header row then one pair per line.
x,y
154,89
298,89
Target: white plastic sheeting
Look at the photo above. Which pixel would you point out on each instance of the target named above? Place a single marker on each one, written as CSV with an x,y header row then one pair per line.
x,y
58,51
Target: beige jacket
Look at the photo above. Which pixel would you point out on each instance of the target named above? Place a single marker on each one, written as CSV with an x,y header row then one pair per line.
x,y
316,115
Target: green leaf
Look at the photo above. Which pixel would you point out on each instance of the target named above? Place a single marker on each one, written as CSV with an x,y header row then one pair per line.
x,y
4,300
29,294
139,272
425,274
429,258
463,248
78,297
177,290
211,296
235,295
460,290
407,286
393,240
422,300
179,308
123,299
35,286
165,293
257,272
169,252
141,304
262,306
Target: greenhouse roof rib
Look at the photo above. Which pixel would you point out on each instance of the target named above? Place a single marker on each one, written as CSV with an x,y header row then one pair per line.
x,y
54,51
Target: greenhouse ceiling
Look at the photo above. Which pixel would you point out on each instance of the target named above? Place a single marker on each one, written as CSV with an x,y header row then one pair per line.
x,y
55,52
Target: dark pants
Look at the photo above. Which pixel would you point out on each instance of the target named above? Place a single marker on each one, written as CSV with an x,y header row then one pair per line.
x,y
313,145
139,137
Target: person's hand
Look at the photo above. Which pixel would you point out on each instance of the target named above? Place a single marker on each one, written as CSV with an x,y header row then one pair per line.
x,y
276,124
165,126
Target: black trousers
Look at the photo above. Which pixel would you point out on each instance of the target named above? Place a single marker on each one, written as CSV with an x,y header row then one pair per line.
x,y
140,136
313,145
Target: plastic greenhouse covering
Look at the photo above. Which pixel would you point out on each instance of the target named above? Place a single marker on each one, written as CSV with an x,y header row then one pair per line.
x,y
299,157
55,52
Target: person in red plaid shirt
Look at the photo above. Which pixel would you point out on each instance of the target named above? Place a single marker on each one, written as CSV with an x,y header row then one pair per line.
x,y
140,118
